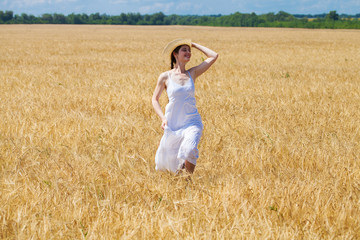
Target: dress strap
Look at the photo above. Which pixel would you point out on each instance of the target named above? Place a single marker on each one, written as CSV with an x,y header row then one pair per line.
x,y
190,76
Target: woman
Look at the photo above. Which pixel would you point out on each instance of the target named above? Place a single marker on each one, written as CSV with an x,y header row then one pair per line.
x,y
181,122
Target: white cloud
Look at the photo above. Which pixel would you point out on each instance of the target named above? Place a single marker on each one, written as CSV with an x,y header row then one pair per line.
x,y
20,3
29,2
61,1
123,1
188,6
173,7
294,6
119,2
157,7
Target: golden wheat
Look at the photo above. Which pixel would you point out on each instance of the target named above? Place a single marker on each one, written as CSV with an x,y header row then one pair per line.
x,y
279,156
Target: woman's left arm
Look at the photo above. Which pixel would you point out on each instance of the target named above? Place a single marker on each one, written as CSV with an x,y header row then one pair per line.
x,y
202,67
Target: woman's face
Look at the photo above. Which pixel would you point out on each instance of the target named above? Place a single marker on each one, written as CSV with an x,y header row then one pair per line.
x,y
184,54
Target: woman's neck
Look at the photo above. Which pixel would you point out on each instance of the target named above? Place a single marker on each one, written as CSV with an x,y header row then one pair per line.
x,y
179,68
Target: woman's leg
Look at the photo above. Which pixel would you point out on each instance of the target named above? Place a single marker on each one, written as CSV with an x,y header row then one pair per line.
x,y
189,167
188,149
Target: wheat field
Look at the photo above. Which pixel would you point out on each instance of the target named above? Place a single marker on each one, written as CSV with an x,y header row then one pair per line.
x,y
279,155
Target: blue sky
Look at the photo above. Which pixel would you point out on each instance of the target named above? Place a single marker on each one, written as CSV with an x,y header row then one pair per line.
x,y
184,7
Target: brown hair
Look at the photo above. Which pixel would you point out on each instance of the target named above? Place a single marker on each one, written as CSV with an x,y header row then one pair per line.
x,y
173,60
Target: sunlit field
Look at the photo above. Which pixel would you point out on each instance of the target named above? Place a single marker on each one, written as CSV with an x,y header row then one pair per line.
x,y
279,155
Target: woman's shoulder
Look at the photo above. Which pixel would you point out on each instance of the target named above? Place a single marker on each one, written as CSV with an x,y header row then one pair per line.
x,y
164,75
163,78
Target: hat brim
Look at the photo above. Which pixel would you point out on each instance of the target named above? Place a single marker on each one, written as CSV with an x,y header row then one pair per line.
x,y
170,47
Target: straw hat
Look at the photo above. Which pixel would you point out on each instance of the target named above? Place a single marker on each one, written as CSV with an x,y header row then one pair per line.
x,y
174,44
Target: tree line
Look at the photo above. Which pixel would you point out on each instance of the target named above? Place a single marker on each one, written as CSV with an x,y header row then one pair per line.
x,y
237,19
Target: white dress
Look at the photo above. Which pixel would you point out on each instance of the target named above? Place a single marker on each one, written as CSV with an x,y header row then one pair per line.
x,y
182,134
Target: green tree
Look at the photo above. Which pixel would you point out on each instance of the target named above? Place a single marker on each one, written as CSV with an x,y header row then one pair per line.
x,y
284,17
74,19
95,18
157,18
84,18
332,15
6,16
173,19
281,19
146,19
123,18
133,18
252,20
25,18
59,19
47,18
270,17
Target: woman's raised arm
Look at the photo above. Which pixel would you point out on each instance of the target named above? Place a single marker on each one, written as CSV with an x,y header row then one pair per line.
x,y
202,67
